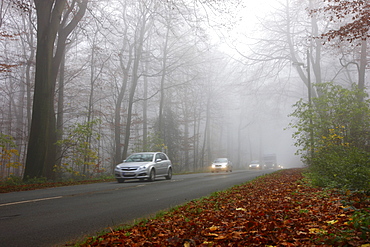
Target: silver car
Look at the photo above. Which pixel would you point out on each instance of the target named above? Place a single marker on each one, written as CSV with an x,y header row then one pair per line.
x,y
146,165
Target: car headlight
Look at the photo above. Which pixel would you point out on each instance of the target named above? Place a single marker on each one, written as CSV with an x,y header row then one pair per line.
x,y
142,167
213,165
117,167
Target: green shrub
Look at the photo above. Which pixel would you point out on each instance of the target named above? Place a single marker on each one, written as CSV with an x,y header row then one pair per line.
x,y
341,167
12,180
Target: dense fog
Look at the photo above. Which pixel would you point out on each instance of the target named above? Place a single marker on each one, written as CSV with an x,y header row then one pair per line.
x,y
196,79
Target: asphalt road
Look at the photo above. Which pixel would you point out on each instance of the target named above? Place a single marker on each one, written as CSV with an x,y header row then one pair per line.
x,y
56,216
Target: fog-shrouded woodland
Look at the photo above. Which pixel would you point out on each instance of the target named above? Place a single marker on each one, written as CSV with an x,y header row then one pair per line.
x,y
85,83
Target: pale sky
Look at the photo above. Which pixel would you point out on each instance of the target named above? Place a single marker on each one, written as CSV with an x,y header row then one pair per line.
x,y
245,19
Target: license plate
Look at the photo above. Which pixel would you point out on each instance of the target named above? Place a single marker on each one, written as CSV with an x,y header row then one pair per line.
x,y
127,173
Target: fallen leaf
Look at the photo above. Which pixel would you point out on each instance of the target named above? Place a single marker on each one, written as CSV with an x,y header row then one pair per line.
x,y
331,222
213,228
317,231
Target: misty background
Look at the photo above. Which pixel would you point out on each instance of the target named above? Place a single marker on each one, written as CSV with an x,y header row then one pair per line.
x,y
196,79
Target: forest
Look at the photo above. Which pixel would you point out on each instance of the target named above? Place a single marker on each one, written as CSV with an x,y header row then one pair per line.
x,y
85,83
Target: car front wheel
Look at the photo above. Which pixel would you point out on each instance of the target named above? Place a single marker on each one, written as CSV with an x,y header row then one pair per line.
x,y
169,174
151,175
120,180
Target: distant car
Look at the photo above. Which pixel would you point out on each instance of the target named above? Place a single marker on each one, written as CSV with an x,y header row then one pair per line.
x,y
255,164
221,164
146,165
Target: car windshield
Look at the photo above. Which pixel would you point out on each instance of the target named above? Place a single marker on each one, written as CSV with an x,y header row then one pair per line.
x,y
220,160
140,158
255,162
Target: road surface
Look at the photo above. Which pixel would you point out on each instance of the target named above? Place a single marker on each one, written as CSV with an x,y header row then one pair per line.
x,y
56,216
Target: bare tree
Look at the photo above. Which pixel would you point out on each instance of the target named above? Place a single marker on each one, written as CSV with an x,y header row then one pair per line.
x,y
140,33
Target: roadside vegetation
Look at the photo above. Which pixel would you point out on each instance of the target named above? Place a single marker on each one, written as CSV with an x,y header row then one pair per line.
x,y
333,133
279,209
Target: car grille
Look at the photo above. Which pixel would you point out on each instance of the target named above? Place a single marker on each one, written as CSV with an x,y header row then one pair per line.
x,y
129,168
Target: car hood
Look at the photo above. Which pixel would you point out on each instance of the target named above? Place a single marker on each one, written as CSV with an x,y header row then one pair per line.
x,y
133,164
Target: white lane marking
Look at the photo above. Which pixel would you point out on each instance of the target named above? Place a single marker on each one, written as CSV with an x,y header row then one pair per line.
x,y
34,200
57,197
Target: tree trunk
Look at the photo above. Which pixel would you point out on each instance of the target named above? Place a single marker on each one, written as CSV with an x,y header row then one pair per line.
x,y
206,149
30,42
117,123
129,115
117,112
163,76
145,113
135,78
361,72
196,140
60,114
41,152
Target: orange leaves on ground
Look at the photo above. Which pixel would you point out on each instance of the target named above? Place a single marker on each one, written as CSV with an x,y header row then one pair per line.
x,y
274,210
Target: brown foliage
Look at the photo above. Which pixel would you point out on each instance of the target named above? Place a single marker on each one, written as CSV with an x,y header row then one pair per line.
x,y
275,210
6,67
357,14
23,5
